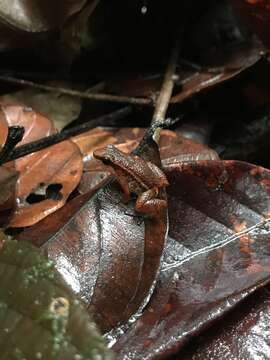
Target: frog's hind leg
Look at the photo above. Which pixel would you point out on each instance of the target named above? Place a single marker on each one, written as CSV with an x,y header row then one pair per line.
x,y
148,203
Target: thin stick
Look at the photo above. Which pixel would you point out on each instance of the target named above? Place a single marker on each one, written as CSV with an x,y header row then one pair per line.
x,y
165,95
37,145
159,117
79,94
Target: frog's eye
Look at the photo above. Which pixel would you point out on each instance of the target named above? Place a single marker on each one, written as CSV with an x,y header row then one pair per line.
x,y
106,161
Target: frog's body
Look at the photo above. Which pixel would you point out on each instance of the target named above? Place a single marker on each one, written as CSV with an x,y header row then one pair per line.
x,y
136,176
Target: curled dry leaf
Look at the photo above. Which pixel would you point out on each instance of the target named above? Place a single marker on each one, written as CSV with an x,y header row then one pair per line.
x,y
37,15
110,255
216,254
242,335
35,300
47,177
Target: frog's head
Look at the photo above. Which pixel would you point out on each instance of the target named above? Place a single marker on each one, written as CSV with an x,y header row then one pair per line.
x,y
108,155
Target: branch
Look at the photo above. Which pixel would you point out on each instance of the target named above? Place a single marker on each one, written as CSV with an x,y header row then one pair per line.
x,y
80,94
162,103
37,145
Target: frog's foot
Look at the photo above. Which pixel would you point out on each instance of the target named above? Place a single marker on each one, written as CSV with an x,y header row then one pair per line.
x,y
148,203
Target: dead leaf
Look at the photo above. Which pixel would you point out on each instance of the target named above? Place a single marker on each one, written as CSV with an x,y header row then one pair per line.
x,y
60,109
119,255
241,335
37,15
216,254
231,62
47,177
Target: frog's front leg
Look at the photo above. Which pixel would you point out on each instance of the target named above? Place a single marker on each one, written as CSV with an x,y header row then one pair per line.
x,y
148,203
122,180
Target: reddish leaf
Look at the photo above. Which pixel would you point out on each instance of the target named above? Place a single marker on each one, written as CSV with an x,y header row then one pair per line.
x,y
256,13
217,253
110,256
242,335
47,177
41,232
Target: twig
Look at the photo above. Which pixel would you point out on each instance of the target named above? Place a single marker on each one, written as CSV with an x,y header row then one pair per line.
x,y
37,145
14,136
162,103
80,94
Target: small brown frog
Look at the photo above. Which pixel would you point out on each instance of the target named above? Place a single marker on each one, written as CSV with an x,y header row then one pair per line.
x,y
136,176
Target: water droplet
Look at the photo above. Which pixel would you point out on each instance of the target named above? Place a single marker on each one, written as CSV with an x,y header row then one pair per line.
x,y
144,9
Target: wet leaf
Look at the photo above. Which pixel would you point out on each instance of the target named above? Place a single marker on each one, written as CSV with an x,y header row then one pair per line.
x,y
216,254
110,255
242,335
37,15
41,232
59,325
47,177
228,63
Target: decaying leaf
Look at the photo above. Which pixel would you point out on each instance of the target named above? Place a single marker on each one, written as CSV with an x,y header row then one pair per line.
x,y
38,15
109,255
47,177
34,300
216,254
242,335
60,109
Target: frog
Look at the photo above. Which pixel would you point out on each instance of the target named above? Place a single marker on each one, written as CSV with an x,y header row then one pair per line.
x,y
136,176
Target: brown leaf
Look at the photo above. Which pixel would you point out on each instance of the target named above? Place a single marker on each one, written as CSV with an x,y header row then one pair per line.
x,y
231,63
37,15
110,255
242,335
47,177
224,64
217,253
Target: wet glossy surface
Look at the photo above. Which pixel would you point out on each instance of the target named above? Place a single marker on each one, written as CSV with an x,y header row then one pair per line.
x,y
109,256
242,335
218,252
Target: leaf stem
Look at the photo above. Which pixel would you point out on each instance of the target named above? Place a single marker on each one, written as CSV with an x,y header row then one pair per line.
x,y
159,117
